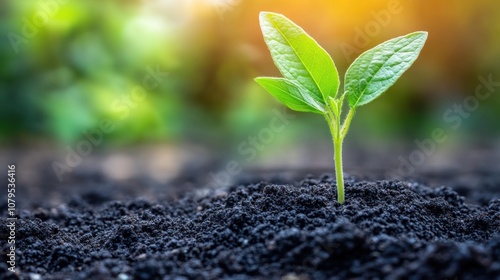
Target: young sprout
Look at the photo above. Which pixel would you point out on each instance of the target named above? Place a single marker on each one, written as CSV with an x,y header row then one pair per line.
x,y
310,80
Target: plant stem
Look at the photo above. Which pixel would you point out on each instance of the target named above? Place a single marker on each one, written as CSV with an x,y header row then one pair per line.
x,y
338,131
337,143
347,123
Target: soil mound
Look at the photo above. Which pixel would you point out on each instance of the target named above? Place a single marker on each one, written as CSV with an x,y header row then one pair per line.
x,y
386,229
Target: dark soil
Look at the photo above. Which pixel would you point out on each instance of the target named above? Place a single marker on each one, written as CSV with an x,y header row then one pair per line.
x,y
386,229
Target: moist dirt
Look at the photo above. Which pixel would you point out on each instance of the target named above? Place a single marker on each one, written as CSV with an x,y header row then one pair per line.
x,y
264,230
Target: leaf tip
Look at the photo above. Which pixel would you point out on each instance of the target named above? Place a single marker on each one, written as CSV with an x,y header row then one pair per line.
x,y
423,34
264,15
269,16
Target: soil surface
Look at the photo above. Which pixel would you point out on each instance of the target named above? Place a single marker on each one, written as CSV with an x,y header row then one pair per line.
x,y
279,229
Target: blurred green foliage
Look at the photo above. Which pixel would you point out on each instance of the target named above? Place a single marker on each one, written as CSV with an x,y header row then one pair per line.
x,y
83,61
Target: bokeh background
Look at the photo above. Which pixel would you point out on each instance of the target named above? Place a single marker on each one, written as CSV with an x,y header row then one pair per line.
x,y
68,65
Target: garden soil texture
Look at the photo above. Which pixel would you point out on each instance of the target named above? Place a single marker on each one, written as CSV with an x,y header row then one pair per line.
x,y
264,230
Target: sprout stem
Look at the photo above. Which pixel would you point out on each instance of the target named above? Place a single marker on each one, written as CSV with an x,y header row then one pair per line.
x,y
337,143
338,131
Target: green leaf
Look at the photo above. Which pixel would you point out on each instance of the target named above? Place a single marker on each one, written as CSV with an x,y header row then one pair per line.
x,y
299,58
290,94
374,71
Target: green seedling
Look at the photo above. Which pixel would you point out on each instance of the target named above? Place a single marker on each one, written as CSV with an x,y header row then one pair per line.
x,y
311,82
